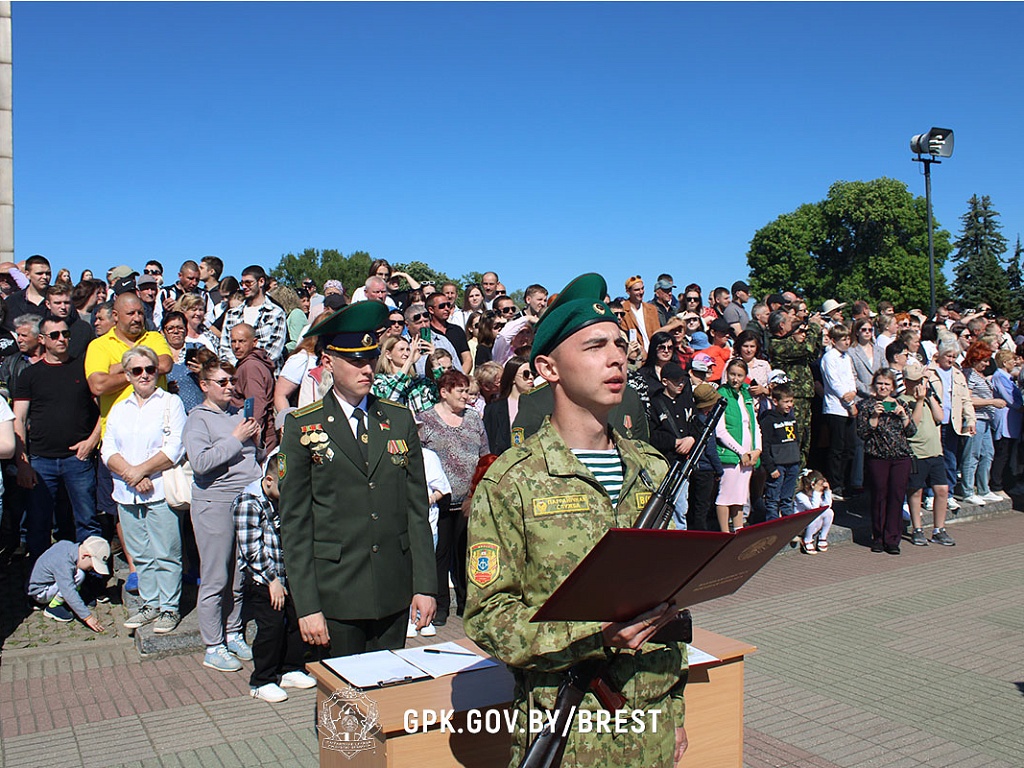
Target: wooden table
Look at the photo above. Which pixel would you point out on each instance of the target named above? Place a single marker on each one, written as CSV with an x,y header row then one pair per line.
x,y
714,715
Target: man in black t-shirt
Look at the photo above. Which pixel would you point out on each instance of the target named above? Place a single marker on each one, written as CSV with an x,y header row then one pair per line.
x,y
439,307
57,430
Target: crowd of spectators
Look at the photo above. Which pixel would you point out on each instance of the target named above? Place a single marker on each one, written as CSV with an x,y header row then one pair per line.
x,y
112,383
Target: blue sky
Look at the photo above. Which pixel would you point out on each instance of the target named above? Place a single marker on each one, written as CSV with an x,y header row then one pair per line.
x,y
539,140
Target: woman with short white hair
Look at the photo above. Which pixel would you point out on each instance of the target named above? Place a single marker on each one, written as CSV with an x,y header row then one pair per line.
x,y
142,439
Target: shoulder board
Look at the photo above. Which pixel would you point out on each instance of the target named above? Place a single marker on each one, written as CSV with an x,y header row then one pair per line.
x,y
308,408
538,387
392,403
507,460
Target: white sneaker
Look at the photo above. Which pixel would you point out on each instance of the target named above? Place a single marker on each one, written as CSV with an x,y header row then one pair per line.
x,y
428,631
929,503
992,496
974,499
411,630
271,692
953,505
297,679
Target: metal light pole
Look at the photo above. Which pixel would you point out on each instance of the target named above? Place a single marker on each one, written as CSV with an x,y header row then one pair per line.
x,y
938,142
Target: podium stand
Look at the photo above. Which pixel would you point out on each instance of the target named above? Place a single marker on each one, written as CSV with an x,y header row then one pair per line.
x,y
714,715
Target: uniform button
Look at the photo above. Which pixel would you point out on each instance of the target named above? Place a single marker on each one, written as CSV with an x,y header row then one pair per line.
x,y
373,515
372,485
375,548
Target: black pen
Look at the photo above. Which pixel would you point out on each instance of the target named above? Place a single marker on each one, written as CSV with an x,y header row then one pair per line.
x,y
450,653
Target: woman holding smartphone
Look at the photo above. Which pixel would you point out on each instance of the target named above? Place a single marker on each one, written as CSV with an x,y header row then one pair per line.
x,y
884,425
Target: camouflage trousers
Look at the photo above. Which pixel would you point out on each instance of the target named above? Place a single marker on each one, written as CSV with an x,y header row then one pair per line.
x,y
802,412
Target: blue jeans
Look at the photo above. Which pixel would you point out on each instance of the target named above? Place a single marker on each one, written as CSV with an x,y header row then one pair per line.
x,y
779,492
951,454
79,478
682,504
152,536
977,459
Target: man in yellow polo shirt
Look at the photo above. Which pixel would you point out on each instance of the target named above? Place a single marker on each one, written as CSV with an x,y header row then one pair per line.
x,y
103,357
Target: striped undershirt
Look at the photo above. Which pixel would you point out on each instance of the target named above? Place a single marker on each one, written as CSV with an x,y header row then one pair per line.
x,y
606,466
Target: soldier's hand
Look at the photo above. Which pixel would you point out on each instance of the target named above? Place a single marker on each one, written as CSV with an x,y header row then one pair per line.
x,y
313,629
681,744
634,633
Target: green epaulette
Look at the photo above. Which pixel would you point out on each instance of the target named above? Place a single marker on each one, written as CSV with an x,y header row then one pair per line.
x,y
308,408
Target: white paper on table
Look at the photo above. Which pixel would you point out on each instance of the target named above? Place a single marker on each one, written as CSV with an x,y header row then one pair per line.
x,y
375,669
696,657
441,664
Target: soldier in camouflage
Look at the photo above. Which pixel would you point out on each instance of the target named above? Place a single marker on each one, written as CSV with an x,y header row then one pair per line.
x,y
794,349
539,510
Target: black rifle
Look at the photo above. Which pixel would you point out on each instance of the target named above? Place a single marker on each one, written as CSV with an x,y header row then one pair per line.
x,y
548,746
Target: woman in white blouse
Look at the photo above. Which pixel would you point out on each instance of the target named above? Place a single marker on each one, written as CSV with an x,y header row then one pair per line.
x,y
143,438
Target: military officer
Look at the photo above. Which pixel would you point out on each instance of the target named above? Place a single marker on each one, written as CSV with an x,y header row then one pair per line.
x,y
538,511
354,527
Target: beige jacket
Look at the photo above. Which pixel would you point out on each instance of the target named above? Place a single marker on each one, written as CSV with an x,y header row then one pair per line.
x,y
962,409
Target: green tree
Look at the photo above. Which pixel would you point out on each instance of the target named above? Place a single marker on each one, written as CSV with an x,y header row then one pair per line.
x,y
865,240
328,264
979,271
1015,282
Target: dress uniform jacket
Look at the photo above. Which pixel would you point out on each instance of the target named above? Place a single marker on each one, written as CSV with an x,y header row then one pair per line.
x,y
537,512
357,542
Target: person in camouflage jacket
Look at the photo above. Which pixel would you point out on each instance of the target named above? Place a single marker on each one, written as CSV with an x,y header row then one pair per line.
x,y
537,512
795,352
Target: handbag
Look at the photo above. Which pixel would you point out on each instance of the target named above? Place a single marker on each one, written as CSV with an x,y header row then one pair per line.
x,y
177,479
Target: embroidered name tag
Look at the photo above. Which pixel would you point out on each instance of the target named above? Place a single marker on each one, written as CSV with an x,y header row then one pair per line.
x,y
556,505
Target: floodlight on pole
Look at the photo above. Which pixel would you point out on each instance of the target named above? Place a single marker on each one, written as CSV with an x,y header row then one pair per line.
x,y
938,142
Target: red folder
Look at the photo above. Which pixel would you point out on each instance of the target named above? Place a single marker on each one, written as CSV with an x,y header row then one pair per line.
x,y
631,570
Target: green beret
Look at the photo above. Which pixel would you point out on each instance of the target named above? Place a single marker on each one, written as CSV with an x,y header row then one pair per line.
x,y
352,331
588,286
579,305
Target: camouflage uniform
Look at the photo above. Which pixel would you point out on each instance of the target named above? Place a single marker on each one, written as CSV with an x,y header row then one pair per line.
x,y
796,359
536,514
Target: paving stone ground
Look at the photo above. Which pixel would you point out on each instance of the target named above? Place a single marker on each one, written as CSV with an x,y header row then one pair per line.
x,y
864,661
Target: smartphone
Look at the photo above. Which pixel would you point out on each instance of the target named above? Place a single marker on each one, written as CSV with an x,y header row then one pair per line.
x,y
191,354
248,408
632,335
888,405
425,334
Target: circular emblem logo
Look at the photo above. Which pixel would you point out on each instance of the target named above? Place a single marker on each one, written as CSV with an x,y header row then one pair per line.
x,y
367,340
599,308
758,547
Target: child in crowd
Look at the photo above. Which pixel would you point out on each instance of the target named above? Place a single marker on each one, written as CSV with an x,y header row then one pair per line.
x,y
781,455
815,493
700,514
278,649
60,571
437,488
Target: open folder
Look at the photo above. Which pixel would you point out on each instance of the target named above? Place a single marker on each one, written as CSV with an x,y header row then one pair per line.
x,y
378,669
631,570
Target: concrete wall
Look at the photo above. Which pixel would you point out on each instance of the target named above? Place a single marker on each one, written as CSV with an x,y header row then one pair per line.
x,y
6,137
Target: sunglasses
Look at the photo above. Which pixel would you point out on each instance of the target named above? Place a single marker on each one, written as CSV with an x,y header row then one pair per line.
x,y
526,375
427,282
666,347
508,310
399,323
418,316
619,315
498,326
54,335
223,382
443,305
138,370
692,298
152,272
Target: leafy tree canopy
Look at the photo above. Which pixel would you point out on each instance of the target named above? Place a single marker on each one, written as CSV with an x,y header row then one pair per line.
x,y
866,240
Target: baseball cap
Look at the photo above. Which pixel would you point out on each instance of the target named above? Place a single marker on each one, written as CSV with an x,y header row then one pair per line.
x,y
99,551
739,285
721,325
701,363
142,280
122,270
124,285
913,370
705,395
672,372
665,285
